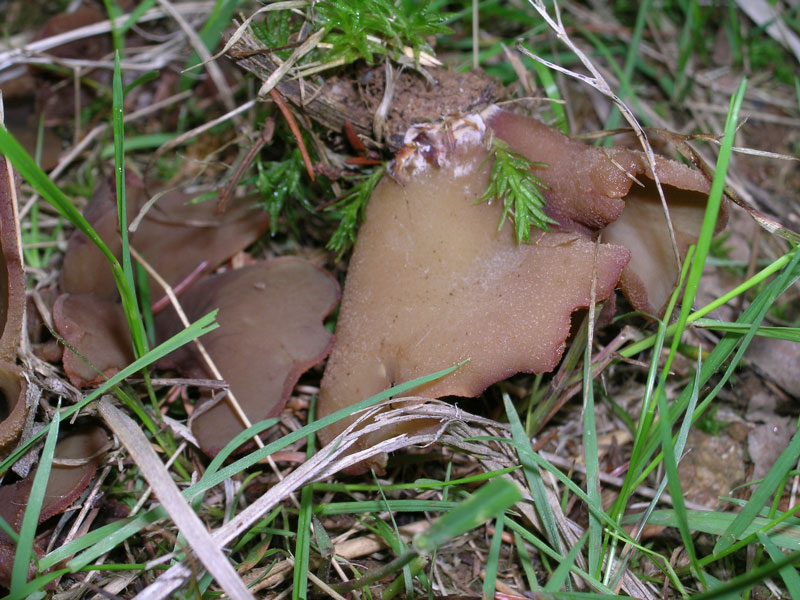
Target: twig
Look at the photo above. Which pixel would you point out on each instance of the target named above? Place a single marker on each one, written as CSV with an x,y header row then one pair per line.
x,y
287,114
261,141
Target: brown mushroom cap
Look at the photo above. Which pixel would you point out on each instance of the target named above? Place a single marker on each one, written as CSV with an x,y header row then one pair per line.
x,y
270,332
12,276
651,276
13,405
432,282
595,188
97,331
174,237
586,184
83,448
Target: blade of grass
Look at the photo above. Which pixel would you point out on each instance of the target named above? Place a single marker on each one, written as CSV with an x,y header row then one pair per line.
x,y
561,574
787,459
753,316
303,539
527,564
114,12
752,282
493,558
644,422
491,499
784,534
673,480
548,82
590,454
217,21
114,536
533,476
34,175
420,484
788,574
791,334
749,578
27,532
131,307
710,218
198,328
544,549
630,62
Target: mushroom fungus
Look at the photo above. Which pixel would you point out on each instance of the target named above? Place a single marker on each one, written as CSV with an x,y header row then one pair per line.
x,y
175,237
96,330
270,332
595,188
76,459
13,406
433,282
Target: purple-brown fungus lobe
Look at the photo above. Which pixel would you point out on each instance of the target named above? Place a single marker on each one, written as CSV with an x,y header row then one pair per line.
x,y
13,405
98,337
75,462
175,237
432,282
270,332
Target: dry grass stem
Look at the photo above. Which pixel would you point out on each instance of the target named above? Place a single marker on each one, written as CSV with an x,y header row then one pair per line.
x,y
184,517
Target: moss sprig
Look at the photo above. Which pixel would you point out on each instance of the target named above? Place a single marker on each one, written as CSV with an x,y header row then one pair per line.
x,y
513,183
350,211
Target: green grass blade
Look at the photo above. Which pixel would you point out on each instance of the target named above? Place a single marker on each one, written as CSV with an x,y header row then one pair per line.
x,y
547,81
787,459
195,330
755,576
493,558
561,574
7,530
217,21
532,476
34,175
673,480
490,500
710,217
24,552
789,575
527,564
116,536
546,550
303,539
630,62
753,315
783,531
590,454
791,334
130,304
114,10
754,281
137,12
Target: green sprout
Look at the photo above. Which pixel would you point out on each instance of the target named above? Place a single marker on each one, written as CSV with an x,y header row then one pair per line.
x,y
512,182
